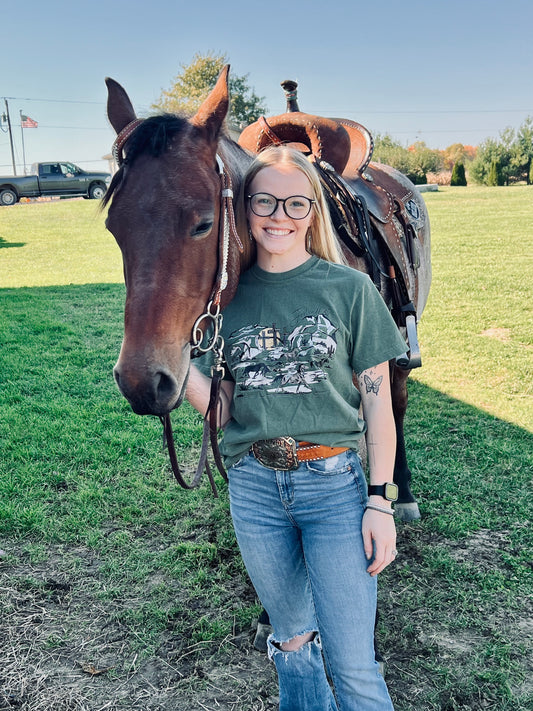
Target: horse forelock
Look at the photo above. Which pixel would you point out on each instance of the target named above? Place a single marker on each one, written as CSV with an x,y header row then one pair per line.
x,y
152,137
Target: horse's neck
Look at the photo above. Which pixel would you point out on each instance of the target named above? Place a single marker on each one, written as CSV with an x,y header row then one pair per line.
x,y
236,160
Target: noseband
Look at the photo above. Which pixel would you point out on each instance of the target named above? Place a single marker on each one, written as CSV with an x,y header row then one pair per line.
x,y
210,322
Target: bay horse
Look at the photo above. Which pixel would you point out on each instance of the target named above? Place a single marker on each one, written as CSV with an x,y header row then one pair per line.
x,y
169,201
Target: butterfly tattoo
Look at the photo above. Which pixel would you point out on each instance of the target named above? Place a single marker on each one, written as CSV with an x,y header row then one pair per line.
x,y
372,386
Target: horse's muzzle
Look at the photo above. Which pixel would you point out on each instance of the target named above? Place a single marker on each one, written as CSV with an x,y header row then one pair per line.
x,y
151,391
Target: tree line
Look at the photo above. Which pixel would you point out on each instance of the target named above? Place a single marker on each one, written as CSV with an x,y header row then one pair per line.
x,y
502,161
507,159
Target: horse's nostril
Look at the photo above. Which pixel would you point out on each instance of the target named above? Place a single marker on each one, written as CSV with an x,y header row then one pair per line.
x,y
165,385
148,393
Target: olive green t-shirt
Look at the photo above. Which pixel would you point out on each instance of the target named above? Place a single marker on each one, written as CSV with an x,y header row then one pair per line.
x,y
292,342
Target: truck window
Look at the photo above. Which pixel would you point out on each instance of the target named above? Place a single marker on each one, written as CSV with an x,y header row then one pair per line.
x,y
49,169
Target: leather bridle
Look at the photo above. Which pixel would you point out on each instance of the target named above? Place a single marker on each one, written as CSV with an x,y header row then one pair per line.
x,y
210,323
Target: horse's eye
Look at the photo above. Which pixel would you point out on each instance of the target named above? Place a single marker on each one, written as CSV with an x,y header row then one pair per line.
x,y
202,228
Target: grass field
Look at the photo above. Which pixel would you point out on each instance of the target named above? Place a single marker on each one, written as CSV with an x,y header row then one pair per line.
x,y
120,591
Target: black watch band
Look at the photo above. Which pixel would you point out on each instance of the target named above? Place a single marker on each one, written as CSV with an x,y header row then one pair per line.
x,y
387,491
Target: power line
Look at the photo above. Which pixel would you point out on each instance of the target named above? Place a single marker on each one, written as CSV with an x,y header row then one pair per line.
x,y
437,111
329,109
55,101
448,130
80,128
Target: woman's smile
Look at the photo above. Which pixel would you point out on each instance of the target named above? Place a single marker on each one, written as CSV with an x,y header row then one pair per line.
x,y
276,232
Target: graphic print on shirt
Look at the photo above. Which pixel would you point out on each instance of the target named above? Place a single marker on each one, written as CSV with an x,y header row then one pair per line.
x,y
283,362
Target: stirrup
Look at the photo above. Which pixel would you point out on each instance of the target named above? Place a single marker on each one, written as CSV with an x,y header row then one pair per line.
x,y
411,359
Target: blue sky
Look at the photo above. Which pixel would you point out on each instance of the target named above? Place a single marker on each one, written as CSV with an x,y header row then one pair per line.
x,y
432,70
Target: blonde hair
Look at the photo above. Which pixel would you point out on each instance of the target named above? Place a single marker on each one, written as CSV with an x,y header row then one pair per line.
x,y
322,238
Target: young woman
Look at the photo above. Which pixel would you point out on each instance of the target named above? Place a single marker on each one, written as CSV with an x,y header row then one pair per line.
x,y
312,539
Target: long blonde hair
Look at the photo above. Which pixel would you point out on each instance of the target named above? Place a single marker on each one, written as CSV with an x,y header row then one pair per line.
x,y
322,239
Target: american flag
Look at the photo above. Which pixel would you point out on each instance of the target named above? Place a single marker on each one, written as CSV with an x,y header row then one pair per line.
x,y
27,122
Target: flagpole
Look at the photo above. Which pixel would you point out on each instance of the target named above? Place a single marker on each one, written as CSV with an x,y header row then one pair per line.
x,y
10,137
23,148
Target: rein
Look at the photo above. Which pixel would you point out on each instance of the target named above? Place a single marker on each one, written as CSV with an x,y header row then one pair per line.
x,y
209,322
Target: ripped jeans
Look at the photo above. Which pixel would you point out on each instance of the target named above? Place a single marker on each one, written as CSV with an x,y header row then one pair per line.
x,y
299,533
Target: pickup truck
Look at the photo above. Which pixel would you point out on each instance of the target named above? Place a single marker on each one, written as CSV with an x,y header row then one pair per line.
x,y
48,179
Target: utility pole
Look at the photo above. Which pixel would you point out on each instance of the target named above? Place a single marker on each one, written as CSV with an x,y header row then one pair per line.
x,y
10,137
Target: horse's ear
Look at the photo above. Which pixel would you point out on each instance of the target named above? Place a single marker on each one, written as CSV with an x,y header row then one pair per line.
x,y
212,112
120,111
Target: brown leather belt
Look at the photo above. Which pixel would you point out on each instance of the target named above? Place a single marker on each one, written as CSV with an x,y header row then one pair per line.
x,y
286,453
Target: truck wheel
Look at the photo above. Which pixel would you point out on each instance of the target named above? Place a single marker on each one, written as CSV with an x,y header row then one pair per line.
x,y
8,197
96,192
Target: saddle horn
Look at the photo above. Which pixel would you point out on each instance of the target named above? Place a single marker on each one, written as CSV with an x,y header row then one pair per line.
x,y
291,94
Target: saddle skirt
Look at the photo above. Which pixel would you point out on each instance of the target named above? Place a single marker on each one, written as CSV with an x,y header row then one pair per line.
x,y
345,148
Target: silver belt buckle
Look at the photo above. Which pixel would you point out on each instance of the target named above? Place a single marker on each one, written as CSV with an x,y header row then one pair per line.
x,y
277,453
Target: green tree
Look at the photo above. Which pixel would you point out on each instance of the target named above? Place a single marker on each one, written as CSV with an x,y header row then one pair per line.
x,y
423,160
495,176
513,151
391,152
489,151
522,158
458,174
195,81
414,162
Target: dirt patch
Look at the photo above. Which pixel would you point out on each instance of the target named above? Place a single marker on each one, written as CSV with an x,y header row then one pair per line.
x,y
479,548
500,334
65,647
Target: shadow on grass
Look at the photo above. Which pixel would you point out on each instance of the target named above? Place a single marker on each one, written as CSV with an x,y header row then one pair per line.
x,y
4,244
470,469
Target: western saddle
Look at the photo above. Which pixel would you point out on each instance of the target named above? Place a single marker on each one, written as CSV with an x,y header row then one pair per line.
x,y
374,214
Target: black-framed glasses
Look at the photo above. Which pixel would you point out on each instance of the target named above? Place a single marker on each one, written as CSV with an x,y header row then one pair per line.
x,y
296,206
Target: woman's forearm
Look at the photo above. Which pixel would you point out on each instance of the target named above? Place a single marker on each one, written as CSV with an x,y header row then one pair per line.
x,y
198,393
381,431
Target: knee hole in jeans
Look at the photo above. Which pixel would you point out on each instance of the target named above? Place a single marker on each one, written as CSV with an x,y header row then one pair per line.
x,y
296,643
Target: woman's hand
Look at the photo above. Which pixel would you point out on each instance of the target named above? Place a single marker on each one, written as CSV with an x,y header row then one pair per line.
x,y
199,390
379,539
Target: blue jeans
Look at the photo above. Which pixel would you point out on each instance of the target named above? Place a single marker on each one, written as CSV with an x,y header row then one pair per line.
x,y
299,533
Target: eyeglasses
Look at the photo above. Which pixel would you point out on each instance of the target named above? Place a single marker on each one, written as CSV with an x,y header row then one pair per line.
x,y
296,206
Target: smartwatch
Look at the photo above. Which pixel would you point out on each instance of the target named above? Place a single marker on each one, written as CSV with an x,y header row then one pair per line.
x,y
388,491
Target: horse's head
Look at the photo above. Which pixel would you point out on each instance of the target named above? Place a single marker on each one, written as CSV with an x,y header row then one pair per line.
x,y
164,213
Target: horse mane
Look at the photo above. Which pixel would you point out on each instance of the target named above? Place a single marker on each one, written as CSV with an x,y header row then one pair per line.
x,y
152,137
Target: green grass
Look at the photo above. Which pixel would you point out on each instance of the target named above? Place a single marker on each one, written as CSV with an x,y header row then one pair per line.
x,y
477,332
57,243
86,490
